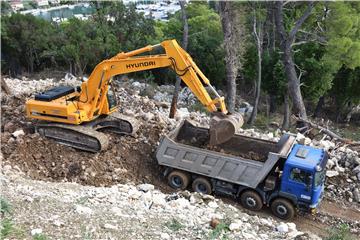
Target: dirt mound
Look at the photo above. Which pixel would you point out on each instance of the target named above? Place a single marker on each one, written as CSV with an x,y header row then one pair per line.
x,y
127,159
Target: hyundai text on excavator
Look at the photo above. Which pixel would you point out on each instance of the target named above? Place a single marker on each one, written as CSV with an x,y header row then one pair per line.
x,y
74,116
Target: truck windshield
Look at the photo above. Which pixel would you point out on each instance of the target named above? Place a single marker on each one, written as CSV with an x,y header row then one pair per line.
x,y
319,178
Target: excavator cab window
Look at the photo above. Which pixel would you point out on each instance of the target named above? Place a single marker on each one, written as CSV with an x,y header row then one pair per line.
x,y
111,97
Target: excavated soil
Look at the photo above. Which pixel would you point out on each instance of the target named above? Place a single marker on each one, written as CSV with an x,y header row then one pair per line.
x,y
127,159
203,142
249,155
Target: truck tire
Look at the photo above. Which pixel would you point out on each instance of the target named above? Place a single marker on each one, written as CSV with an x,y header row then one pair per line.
x,y
251,200
178,180
202,185
283,208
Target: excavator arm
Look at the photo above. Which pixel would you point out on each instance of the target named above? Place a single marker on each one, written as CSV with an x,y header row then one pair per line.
x,y
92,102
93,94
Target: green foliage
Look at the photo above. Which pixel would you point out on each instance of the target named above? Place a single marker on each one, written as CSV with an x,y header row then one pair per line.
x,y
5,8
341,56
315,78
329,68
205,39
33,4
40,237
32,44
6,224
174,225
340,233
219,230
5,207
346,87
7,227
24,40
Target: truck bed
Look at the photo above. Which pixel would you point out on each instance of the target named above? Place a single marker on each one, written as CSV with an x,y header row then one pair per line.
x,y
241,160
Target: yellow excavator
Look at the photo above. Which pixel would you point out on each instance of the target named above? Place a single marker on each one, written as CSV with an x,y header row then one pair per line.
x,y
77,116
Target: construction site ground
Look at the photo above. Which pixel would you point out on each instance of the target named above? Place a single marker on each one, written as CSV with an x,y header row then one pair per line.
x,y
129,161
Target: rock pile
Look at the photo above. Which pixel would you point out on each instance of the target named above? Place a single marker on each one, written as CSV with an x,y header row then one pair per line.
x,y
126,211
142,209
150,106
26,86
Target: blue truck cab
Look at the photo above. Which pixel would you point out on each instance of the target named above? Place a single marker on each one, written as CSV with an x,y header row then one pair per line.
x,y
303,177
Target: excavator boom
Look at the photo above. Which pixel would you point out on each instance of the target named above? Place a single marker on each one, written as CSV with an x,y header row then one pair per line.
x,y
93,100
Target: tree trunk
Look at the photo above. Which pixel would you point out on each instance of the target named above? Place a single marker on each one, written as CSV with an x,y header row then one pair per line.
x,y
352,108
258,37
268,106
184,46
230,54
286,40
286,119
272,103
319,107
269,27
271,46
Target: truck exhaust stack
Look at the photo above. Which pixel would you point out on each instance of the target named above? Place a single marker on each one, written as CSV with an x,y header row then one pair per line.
x,y
223,127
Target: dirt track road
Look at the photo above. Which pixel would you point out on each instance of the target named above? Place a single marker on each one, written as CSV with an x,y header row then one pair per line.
x,y
330,216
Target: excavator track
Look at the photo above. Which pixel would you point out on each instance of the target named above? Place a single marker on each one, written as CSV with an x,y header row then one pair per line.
x,y
116,123
79,137
88,137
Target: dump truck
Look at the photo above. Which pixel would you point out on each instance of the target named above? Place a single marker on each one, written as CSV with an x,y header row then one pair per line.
x,y
285,176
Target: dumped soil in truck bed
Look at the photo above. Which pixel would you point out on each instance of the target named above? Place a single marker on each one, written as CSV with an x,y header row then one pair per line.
x,y
238,145
248,155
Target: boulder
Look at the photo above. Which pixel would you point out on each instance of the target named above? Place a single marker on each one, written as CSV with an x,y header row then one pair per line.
x,y
282,228
145,187
330,173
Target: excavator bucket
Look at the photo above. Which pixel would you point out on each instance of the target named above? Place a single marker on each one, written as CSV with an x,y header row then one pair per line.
x,y
223,127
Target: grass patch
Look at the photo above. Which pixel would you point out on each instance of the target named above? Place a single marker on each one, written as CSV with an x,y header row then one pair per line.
x,y
351,132
82,200
220,229
340,233
7,227
174,225
5,207
86,235
40,236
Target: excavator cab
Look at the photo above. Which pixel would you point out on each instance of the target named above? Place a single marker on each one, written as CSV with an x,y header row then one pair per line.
x,y
111,98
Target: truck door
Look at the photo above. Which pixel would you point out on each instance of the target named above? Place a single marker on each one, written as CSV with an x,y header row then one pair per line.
x,y
298,183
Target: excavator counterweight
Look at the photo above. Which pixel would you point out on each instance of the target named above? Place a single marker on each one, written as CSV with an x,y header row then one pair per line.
x,y
93,105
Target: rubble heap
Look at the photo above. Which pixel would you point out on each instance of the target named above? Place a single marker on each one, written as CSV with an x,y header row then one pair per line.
x,y
150,106
130,161
58,210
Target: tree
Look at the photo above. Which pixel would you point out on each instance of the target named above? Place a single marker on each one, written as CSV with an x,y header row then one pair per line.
x,y
232,29
184,46
204,41
286,41
24,40
5,8
258,23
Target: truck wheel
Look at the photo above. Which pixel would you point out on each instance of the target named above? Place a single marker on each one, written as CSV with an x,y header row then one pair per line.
x,y
251,200
178,180
283,209
202,185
